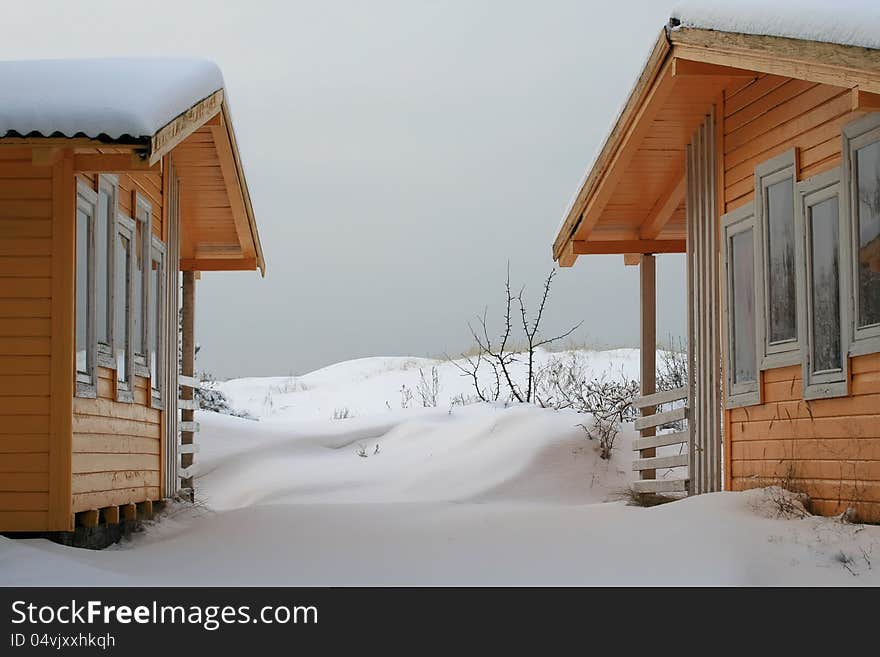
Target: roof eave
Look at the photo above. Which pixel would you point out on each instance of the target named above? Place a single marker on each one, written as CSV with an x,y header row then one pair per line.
x,y
828,63
655,63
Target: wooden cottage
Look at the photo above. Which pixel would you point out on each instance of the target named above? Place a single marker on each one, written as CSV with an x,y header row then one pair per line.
x,y
118,180
754,149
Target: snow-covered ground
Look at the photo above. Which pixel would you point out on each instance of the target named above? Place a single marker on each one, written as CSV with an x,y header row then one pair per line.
x,y
477,494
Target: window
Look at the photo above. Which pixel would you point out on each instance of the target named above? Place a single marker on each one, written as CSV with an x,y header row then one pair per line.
x,y
739,267
824,312
105,236
123,279
140,283
86,202
777,284
861,173
156,319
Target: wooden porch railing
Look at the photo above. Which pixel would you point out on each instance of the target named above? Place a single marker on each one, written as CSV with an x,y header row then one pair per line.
x,y
187,404
648,423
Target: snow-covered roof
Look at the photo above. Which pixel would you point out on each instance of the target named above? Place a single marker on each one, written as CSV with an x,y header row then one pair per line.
x,y
845,22
132,97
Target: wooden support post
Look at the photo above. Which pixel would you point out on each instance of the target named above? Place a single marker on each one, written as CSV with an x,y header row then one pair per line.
x,y
129,512
188,366
648,345
110,515
145,509
87,518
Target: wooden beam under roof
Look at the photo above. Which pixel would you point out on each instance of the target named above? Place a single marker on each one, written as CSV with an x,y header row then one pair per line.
x,y
664,208
690,68
625,151
233,189
114,163
628,117
218,264
584,247
864,101
824,63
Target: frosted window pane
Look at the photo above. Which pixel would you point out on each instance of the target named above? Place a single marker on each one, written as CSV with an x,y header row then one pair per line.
x,y
102,264
825,283
123,261
137,286
782,306
153,318
82,292
868,166
745,357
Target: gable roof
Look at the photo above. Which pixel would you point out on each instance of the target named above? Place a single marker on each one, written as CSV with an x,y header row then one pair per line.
x,y
151,106
111,99
686,70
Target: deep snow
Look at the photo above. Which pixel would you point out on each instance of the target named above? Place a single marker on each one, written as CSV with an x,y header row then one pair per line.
x,y
481,494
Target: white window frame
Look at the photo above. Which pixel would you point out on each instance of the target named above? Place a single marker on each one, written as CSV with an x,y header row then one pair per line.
x,y
125,227
855,135
157,393
87,382
733,223
142,360
108,183
770,172
810,192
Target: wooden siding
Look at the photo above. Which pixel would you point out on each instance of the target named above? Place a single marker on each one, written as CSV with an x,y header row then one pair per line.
x,y
771,115
828,448
26,201
116,447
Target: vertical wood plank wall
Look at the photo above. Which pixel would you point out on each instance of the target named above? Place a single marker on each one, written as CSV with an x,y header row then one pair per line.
x,y
117,446
172,240
704,313
26,202
828,448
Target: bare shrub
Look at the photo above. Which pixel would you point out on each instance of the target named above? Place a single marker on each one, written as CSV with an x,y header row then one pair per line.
x,y
603,428
429,391
632,498
462,399
672,371
406,396
342,413
500,355
565,383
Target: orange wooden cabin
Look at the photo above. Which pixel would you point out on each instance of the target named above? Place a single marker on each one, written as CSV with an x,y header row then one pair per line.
x,y
118,179
757,156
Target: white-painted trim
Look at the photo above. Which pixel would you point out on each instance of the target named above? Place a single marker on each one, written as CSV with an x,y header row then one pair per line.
x,y
748,393
86,382
109,184
819,188
125,227
770,172
856,135
158,254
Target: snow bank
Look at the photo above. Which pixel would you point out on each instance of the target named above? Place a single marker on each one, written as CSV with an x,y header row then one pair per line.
x,y
475,454
846,22
92,97
375,386
485,494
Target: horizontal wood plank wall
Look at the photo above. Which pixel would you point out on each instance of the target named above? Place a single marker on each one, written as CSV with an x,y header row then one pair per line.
x,y
26,198
828,448
116,446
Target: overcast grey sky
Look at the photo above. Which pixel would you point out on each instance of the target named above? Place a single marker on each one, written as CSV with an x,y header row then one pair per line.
x,y
398,153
